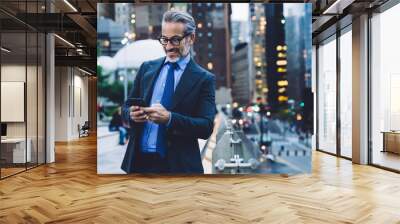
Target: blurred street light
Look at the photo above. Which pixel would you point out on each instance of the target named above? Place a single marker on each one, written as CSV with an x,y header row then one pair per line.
x,y
124,41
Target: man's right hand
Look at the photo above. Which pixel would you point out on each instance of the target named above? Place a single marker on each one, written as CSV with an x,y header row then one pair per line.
x,y
137,114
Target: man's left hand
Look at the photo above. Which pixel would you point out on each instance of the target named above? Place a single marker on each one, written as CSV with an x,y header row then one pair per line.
x,y
157,114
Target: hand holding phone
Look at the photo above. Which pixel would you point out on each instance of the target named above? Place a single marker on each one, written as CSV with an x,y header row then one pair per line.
x,y
157,113
136,112
137,102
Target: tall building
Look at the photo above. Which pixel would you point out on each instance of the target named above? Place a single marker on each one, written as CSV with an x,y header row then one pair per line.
x,y
109,36
295,37
114,34
307,24
106,10
186,7
239,33
295,56
241,79
150,17
298,36
257,51
123,16
276,55
114,27
308,98
212,47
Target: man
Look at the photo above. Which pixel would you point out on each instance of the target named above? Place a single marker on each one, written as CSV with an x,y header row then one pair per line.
x,y
181,95
116,124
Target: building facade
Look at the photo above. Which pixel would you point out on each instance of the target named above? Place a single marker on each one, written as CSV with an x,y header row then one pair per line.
x,y
241,79
212,48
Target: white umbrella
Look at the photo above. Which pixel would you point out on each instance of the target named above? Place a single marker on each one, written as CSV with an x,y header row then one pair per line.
x,y
134,54
108,64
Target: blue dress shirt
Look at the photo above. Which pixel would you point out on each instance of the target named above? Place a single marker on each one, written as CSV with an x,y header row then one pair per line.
x,y
150,130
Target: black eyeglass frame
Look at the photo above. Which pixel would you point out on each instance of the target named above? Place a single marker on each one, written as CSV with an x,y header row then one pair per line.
x,y
177,38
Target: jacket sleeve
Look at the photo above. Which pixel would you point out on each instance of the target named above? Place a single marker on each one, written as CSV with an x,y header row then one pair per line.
x,y
201,125
135,93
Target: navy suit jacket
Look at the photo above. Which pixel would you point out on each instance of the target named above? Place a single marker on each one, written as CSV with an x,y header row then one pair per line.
x,y
192,117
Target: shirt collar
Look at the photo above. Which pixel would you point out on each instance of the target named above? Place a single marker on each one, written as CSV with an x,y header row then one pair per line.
x,y
182,62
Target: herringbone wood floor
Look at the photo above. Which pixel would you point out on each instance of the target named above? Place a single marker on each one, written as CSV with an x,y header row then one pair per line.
x,y
70,191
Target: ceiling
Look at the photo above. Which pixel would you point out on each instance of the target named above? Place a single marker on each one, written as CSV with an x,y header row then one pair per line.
x,y
329,15
74,22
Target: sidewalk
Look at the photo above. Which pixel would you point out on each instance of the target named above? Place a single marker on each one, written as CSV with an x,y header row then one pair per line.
x,y
109,153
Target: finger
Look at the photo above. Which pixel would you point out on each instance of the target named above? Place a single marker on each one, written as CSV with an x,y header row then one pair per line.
x,y
159,106
134,108
150,109
141,117
137,113
144,116
153,114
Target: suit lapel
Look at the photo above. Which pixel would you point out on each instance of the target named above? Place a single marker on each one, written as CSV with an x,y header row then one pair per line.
x,y
150,78
187,81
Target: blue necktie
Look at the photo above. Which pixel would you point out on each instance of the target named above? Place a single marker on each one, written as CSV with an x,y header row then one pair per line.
x,y
166,101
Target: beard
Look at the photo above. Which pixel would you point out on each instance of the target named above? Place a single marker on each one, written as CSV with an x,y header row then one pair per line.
x,y
174,50
180,54
173,60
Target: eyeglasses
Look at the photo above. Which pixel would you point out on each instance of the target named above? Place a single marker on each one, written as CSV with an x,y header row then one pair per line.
x,y
175,40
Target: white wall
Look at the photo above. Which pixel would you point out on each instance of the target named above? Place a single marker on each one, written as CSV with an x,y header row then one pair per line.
x,y
17,73
71,94
61,103
33,126
14,73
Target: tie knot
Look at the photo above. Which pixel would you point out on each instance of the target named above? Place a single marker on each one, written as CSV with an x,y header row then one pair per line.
x,y
173,65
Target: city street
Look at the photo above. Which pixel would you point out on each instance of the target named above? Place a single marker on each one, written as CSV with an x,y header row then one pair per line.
x,y
294,157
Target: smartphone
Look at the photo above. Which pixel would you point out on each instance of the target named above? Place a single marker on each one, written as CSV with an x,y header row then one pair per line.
x,y
137,102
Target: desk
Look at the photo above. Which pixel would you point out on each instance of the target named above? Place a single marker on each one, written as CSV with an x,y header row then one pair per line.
x,y
391,141
13,150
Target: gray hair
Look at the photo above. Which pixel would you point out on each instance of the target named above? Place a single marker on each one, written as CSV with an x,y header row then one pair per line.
x,y
173,16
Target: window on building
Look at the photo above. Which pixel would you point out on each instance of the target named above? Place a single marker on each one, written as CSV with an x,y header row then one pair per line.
x,y
385,88
346,94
